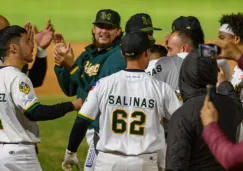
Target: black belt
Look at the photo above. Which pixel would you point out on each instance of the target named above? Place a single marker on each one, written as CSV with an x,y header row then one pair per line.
x,y
24,143
96,138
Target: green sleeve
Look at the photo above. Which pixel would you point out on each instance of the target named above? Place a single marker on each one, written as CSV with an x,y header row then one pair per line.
x,y
76,76
115,64
65,81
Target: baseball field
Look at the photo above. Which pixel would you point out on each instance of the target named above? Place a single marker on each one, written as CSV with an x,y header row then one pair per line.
x,y
73,18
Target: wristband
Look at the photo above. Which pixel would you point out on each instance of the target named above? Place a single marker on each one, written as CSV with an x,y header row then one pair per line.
x,y
41,53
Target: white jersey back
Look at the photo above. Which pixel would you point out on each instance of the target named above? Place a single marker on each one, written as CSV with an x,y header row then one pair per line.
x,y
16,96
237,82
167,69
130,106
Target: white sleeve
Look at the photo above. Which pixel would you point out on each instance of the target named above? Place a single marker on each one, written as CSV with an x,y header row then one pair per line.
x,y
90,108
224,64
169,100
23,93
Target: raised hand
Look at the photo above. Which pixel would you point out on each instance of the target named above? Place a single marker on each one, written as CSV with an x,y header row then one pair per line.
x,y
229,50
221,76
58,38
30,32
64,55
43,38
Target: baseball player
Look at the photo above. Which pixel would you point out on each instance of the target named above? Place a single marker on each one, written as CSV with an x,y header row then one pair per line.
x,y
141,22
231,31
19,107
192,24
100,59
130,105
167,69
43,39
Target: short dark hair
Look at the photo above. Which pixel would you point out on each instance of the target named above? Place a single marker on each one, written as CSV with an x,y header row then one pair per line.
x,y
235,22
193,37
8,35
159,49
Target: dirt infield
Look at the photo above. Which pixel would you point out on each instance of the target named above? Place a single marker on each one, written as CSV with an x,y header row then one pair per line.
x,y
50,85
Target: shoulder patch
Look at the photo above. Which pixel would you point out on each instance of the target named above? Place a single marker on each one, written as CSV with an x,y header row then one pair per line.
x,y
24,87
95,84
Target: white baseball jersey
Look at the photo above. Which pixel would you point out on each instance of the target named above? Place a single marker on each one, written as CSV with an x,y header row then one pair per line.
x,y
16,96
237,82
167,69
130,106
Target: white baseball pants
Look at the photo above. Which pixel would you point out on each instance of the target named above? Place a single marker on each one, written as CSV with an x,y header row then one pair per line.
x,y
89,164
18,157
113,162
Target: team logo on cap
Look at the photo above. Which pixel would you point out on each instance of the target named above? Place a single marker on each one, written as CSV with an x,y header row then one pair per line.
x,y
24,87
146,21
105,16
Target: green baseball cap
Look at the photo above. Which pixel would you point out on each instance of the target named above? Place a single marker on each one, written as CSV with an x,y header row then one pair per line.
x,y
107,16
140,22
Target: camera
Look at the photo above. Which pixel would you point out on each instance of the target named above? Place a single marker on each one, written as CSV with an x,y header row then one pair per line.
x,y
208,50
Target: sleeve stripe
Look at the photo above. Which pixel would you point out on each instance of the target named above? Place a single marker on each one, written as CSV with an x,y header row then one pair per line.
x,y
31,105
86,116
74,70
57,64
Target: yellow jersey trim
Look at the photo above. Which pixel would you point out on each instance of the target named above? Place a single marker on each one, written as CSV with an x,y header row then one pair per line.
x,y
30,105
74,70
86,116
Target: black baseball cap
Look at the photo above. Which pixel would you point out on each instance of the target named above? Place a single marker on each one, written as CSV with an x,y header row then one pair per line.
x,y
140,22
135,43
107,16
186,22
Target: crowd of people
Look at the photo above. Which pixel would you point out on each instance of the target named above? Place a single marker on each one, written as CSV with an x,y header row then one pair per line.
x,y
141,106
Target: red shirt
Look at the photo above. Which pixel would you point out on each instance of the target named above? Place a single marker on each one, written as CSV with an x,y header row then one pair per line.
x,y
240,62
229,155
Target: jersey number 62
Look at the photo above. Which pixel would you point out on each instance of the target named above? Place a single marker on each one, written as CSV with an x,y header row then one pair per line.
x,y
120,125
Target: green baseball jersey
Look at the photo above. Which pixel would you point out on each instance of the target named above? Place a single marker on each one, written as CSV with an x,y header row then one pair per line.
x,y
89,67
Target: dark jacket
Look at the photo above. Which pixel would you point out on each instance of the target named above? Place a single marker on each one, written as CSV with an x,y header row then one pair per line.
x,y
89,67
186,149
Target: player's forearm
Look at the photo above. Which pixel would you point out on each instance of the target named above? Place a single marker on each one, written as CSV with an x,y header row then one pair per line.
x,y
77,134
46,112
228,154
38,71
65,82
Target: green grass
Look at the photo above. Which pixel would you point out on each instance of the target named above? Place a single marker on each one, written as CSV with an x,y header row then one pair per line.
x,y
54,138
73,18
